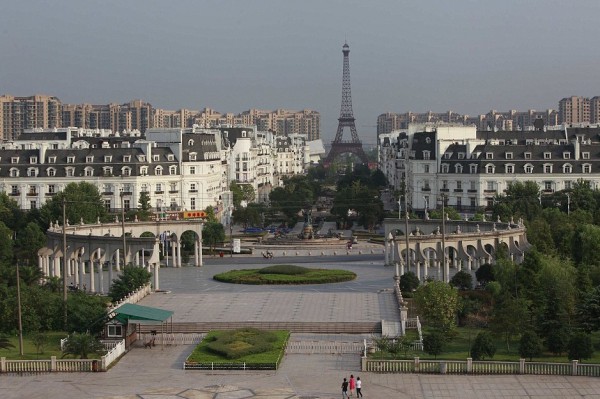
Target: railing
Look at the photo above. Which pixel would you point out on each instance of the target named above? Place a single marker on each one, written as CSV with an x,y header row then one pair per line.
x,y
115,350
479,367
133,297
171,339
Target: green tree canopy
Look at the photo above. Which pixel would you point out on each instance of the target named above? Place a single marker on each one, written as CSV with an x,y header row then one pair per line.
x,y
242,192
483,346
213,233
84,202
131,279
438,303
530,345
82,345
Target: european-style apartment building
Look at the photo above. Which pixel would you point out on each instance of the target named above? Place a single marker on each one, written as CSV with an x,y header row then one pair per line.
x,y
180,169
467,168
47,112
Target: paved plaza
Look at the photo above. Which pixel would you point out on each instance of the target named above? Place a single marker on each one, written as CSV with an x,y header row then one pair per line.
x,y
157,373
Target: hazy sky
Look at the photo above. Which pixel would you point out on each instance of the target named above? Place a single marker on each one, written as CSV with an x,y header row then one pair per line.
x,y
468,56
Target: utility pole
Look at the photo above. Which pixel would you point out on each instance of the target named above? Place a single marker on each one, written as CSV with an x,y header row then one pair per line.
x,y
406,232
123,229
19,311
568,204
64,268
445,270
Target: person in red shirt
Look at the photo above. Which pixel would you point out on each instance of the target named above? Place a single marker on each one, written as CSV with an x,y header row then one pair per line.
x,y
352,384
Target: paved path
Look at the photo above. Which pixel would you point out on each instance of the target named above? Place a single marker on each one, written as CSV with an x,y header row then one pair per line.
x,y
157,373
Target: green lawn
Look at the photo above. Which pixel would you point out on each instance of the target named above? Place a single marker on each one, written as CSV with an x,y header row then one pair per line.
x,y
30,352
309,276
458,349
202,354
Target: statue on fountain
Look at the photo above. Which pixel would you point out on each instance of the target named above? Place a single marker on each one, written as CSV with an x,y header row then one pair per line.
x,y
307,229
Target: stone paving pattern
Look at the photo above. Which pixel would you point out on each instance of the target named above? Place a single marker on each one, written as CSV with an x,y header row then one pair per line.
x,y
157,373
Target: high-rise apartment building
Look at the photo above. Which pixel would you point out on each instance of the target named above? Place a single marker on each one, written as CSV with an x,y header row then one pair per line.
x,y
19,113
574,109
135,115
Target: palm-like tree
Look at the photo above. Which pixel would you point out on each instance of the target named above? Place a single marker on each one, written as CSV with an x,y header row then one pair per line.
x,y
82,344
5,343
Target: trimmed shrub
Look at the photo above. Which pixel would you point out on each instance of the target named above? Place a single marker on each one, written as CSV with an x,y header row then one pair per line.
x,y
483,347
242,342
284,269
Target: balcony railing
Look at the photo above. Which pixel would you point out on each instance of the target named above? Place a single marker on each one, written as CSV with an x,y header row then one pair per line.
x,y
32,194
14,193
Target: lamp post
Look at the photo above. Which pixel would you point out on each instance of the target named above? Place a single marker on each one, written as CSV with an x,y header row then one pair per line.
x,y
64,268
568,204
231,230
445,270
19,311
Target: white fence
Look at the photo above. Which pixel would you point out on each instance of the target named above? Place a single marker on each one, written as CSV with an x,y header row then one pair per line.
x,y
170,339
469,366
133,297
309,347
115,350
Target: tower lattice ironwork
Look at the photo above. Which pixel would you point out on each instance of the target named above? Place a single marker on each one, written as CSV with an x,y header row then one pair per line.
x,y
346,119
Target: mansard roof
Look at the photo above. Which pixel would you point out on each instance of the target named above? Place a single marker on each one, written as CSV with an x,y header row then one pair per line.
x,y
204,145
424,141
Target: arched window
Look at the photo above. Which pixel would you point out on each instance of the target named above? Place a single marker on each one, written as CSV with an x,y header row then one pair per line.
x,y
32,172
51,172
172,170
14,172
489,168
586,168
567,168
126,171
445,168
458,168
89,171
158,170
528,168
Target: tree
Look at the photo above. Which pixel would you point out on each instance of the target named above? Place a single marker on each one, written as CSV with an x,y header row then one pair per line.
x,y
462,280
588,311
6,243
84,202
242,192
5,343
438,303
86,312
40,340
133,277
28,242
580,346
433,343
82,345
522,199
409,282
485,273
212,234
557,340
145,207
530,345
247,216
483,347
509,318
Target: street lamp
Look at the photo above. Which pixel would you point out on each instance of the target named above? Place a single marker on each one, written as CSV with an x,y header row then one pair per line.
x,y
231,230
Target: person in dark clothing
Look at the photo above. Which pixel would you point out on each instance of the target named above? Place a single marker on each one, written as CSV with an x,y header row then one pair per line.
x,y
345,389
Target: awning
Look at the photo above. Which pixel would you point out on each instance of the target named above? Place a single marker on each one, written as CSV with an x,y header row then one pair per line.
x,y
141,314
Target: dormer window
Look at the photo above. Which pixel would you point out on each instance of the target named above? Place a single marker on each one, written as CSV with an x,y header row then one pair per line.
x,y
192,156
52,160
126,171
547,155
32,172
445,168
190,142
14,160
527,155
566,155
170,157
528,168
509,168
126,158
70,171
89,171
108,158
426,154
461,155
447,155
173,170
33,160
567,168
547,168
473,169
458,168
156,158
586,168
14,172
489,155
144,170
158,170
142,158
51,172
585,155
89,159
107,171
509,155
490,168
70,159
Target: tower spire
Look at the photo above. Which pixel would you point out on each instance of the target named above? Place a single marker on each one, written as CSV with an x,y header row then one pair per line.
x,y
346,119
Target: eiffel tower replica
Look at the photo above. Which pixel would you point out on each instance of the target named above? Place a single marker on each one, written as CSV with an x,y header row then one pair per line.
x,y
346,119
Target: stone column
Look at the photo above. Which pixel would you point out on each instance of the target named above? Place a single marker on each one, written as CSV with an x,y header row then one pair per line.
x,y
92,277
117,260
200,241
41,264
196,261
156,280
179,253
137,259
173,252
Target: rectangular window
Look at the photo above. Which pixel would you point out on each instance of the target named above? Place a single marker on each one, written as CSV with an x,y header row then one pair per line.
x,y
473,201
547,155
527,155
459,185
33,204
548,186
426,168
159,187
14,190
127,204
192,170
568,185
107,205
115,331
192,203
51,188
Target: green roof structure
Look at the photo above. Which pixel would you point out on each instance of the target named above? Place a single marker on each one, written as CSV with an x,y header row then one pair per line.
x,y
141,314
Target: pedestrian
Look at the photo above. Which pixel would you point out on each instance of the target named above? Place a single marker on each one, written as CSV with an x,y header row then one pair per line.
x,y
345,389
352,384
358,387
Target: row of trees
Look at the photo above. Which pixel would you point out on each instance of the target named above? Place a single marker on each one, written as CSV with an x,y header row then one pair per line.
x,y
551,301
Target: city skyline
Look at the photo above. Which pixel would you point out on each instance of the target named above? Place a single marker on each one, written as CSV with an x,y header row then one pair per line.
x,y
467,57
